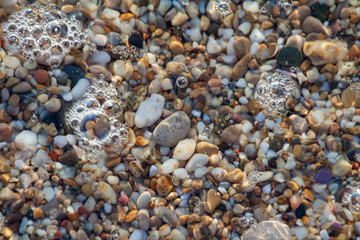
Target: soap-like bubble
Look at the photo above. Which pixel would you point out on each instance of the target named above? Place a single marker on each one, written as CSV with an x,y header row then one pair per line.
x,y
274,90
100,103
44,28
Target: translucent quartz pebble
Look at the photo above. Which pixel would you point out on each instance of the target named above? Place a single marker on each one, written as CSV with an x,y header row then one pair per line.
x,y
42,33
274,90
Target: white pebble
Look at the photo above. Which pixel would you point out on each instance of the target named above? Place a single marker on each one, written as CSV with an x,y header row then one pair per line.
x,y
213,46
60,141
80,88
184,149
169,166
180,173
149,111
197,161
49,193
26,139
257,36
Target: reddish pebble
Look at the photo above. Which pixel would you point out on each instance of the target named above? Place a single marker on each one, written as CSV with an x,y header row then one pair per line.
x,y
214,82
82,210
41,76
257,191
124,200
53,156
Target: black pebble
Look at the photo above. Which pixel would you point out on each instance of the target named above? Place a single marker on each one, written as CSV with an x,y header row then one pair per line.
x,y
290,57
136,39
320,11
300,211
213,29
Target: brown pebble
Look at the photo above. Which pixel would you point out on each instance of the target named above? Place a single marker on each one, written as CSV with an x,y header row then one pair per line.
x,y
241,67
5,131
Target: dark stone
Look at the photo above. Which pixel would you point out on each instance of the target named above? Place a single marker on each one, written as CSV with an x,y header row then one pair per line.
x,y
290,56
300,211
323,176
136,39
277,143
69,158
352,153
213,29
320,11
75,73
295,140
54,209
144,2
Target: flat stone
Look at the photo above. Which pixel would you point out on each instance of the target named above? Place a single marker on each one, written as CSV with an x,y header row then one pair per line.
x,y
213,200
207,148
265,230
350,97
241,46
5,131
143,200
322,52
149,111
21,87
241,67
184,149
196,161
172,129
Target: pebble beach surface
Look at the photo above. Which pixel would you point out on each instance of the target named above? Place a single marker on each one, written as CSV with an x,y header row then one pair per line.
x,y
179,119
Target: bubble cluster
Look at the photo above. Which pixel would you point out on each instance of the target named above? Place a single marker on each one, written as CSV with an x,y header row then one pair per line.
x,y
126,52
247,220
100,103
274,90
352,199
283,4
42,33
223,7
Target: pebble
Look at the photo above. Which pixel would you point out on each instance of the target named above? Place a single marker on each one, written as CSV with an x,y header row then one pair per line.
x,y
299,124
207,148
213,47
241,46
11,62
196,161
184,149
41,76
290,56
312,24
172,129
213,200
79,89
235,176
25,139
143,200
350,96
322,52
53,105
149,111
257,36
5,131
341,168
241,67
39,160
169,166
265,228
21,87
107,192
